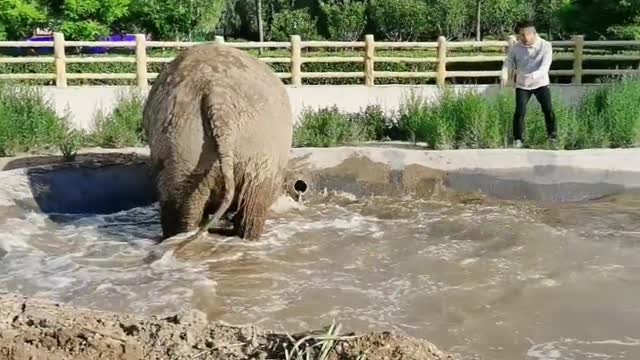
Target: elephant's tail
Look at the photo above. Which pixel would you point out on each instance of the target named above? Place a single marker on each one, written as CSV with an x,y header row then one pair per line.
x,y
223,137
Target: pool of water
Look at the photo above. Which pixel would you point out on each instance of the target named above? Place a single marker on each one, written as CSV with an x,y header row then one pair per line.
x,y
484,278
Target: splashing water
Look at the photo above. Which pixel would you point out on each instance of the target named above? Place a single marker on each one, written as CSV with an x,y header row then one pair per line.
x,y
487,279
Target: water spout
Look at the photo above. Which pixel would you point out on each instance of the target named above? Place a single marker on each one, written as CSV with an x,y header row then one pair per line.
x,y
300,186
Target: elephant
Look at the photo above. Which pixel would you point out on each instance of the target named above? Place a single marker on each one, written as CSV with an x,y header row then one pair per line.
x,y
219,126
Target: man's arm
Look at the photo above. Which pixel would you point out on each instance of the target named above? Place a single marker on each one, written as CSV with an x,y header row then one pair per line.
x,y
508,65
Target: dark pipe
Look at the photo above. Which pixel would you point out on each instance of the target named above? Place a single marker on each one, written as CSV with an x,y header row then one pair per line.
x,y
300,186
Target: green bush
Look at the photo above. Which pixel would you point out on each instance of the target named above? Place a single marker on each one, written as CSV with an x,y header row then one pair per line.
x,y
345,21
375,120
331,127
611,114
289,22
464,119
414,122
28,121
123,126
69,142
400,20
608,116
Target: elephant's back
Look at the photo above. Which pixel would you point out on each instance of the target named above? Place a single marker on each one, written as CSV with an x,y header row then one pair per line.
x,y
231,78
243,91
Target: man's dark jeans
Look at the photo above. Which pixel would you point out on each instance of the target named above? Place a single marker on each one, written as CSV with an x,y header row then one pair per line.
x,y
543,95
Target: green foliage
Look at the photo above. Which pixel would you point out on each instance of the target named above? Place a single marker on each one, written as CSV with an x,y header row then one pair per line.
x,y
607,117
396,20
123,126
499,17
629,31
452,18
464,119
600,18
69,142
415,122
177,19
612,114
293,22
88,19
400,20
345,21
28,121
331,127
376,121
18,18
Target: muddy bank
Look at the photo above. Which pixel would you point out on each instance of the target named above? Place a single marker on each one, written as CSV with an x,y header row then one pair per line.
x,y
37,329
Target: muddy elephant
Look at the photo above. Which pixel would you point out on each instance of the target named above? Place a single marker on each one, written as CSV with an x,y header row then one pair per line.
x,y
219,126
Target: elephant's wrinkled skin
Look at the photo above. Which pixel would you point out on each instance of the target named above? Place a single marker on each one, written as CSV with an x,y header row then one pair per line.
x,y
219,126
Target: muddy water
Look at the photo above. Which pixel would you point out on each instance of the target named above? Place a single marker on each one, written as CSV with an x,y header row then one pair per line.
x,y
484,278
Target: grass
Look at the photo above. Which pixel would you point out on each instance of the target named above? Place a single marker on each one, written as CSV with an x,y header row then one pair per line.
x,y
611,115
331,127
123,126
316,346
28,121
608,116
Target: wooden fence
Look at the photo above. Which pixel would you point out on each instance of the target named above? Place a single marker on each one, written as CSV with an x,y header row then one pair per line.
x,y
295,46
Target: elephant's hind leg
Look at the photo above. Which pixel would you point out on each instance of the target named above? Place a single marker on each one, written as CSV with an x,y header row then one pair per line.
x,y
182,200
253,209
226,157
169,216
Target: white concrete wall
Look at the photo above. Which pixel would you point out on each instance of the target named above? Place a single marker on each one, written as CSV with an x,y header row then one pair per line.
x,y
84,101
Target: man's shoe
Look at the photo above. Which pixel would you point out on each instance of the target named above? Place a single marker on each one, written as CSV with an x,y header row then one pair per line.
x,y
553,144
517,144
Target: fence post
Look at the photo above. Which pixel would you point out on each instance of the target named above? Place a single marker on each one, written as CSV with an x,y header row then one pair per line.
x,y
369,55
442,61
578,50
296,60
219,40
60,59
507,74
141,61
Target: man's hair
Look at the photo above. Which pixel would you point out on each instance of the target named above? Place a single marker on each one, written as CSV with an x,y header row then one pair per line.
x,y
524,24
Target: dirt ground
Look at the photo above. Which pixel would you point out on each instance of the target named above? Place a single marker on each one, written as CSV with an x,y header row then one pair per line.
x,y
33,329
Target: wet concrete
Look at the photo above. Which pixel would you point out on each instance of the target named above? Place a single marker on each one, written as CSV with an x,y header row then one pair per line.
x,y
120,183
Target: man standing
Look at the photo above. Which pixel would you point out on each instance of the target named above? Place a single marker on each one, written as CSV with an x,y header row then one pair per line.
x,y
530,57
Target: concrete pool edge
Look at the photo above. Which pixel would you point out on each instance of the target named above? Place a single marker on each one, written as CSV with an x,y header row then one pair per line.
x,y
363,171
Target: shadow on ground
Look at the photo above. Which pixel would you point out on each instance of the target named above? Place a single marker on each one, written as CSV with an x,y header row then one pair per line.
x,y
94,184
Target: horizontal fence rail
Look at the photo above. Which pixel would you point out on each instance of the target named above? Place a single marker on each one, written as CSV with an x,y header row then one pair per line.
x,y
295,59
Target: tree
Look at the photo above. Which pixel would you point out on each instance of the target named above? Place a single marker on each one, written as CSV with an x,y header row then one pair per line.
x,y
500,16
600,18
177,19
18,18
293,22
478,20
88,19
400,20
345,21
259,20
546,18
